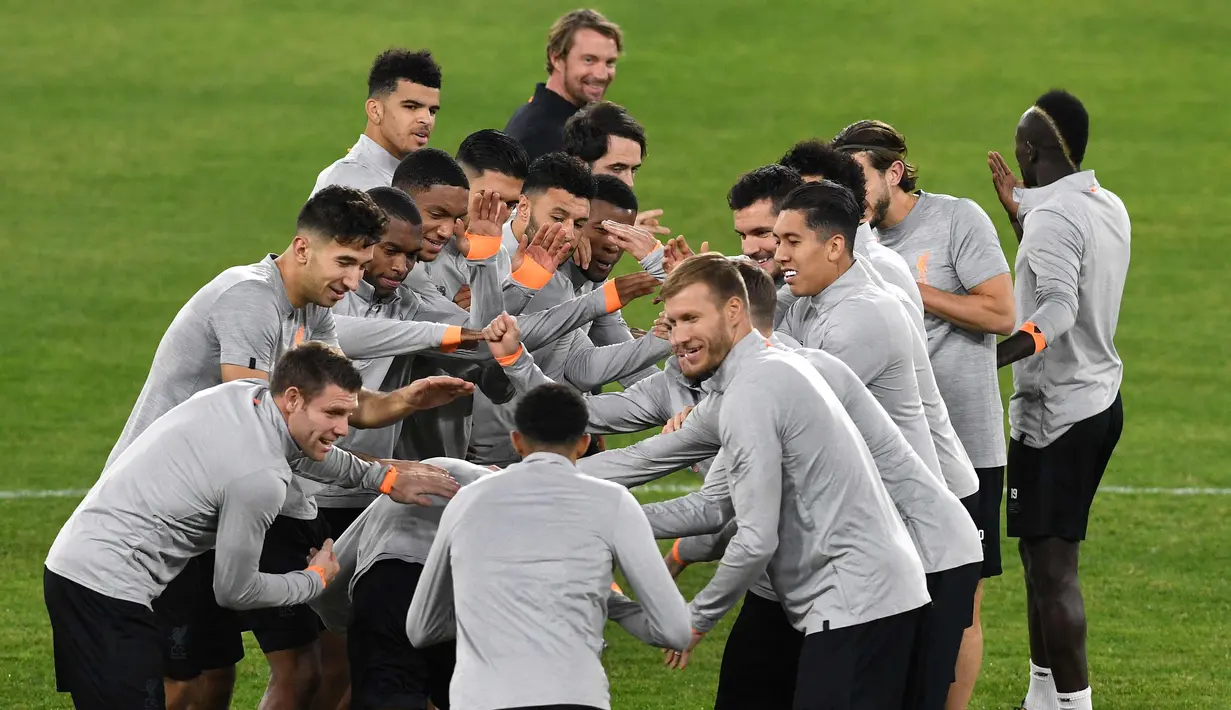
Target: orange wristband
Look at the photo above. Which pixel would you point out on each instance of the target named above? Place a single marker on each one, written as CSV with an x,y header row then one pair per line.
x,y
452,338
531,275
616,588
612,294
1040,342
506,360
482,246
386,485
321,572
675,553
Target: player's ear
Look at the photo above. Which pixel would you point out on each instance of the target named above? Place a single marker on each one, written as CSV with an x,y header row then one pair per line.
x,y
300,246
375,111
582,444
519,443
894,174
294,399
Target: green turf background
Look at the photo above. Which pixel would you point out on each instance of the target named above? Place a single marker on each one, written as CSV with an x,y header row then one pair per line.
x,y
146,146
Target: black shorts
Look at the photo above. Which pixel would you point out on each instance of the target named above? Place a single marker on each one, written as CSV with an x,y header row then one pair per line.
x,y
106,650
1051,489
337,520
386,671
861,667
760,658
984,508
197,634
288,543
941,627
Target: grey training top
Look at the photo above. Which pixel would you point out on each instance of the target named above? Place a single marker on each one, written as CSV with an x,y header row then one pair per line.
x,y
520,571
888,264
211,473
1071,269
365,165
804,489
951,244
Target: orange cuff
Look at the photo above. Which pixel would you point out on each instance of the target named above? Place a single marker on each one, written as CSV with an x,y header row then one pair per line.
x,y
482,246
321,572
506,360
1040,342
531,275
616,588
387,484
612,295
451,339
675,553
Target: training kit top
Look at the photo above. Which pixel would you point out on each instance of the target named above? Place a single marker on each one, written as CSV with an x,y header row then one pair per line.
x,y
521,571
365,166
943,533
952,245
888,264
211,473
1071,269
804,490
865,327
539,123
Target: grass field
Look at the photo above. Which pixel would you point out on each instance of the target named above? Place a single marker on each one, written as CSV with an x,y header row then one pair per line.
x,y
144,147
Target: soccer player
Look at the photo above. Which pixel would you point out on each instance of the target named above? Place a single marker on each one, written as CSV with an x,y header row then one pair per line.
x,y
804,490
1065,414
612,143
174,493
236,327
582,50
954,252
755,199
403,98
552,534
493,161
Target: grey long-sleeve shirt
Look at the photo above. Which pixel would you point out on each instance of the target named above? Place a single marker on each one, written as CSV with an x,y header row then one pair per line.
x,y
365,165
520,571
1071,269
210,473
804,488
952,245
944,535
888,264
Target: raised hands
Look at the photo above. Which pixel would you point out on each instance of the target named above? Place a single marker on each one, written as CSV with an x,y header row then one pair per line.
x,y
677,250
415,481
649,220
1004,181
638,241
431,392
549,247
503,336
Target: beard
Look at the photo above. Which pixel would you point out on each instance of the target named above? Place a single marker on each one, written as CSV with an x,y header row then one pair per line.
x,y
880,210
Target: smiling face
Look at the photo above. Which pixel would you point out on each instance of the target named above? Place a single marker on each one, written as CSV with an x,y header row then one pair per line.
x,y
589,68
441,206
555,205
702,329
755,226
317,423
810,263
330,269
604,252
394,257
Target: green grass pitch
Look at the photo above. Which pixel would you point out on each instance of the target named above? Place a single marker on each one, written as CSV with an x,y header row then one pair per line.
x,y
144,147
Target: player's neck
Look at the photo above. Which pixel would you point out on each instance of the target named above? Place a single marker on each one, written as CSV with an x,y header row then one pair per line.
x,y
900,205
1047,173
373,133
290,271
555,84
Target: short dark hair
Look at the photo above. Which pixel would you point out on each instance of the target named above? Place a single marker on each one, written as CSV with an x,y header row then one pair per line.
x,y
493,150
819,159
613,190
564,30
714,270
396,204
1070,119
552,414
762,294
427,167
884,145
311,367
829,209
587,131
559,170
343,214
394,65
769,182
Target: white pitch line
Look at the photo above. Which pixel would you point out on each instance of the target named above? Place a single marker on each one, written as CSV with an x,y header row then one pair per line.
x,y
680,488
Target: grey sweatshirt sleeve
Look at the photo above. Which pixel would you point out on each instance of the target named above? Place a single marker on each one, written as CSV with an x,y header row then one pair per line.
x,y
697,513
247,325
653,264
642,406
706,548
341,468
753,448
542,327
587,366
432,618
652,458
637,555
486,295
854,337
247,509
333,606
1055,254
368,338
